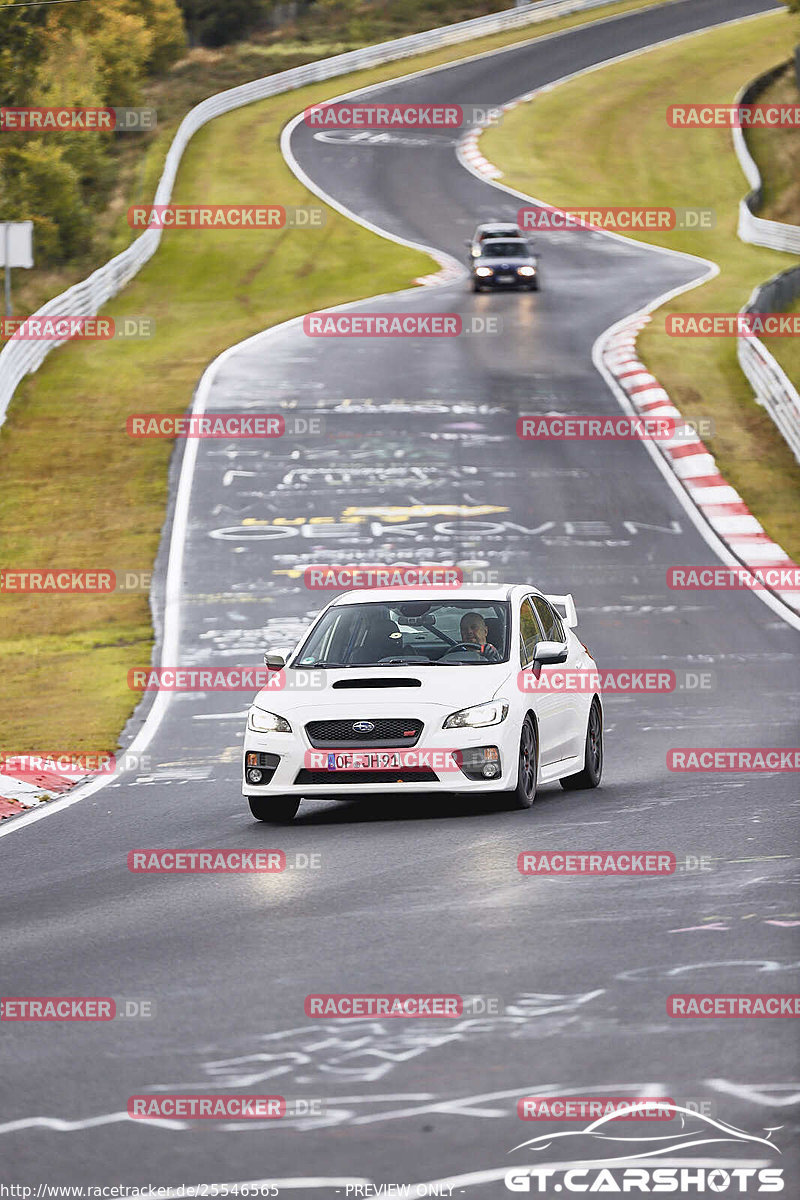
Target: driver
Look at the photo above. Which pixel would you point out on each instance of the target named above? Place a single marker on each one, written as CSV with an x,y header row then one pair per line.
x,y
475,630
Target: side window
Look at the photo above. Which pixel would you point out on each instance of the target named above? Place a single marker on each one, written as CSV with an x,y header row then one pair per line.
x,y
529,633
551,622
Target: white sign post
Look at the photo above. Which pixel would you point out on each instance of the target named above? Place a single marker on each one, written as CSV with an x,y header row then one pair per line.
x,y
16,250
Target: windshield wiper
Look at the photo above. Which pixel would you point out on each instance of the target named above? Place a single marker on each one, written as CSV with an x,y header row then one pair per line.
x,y
396,662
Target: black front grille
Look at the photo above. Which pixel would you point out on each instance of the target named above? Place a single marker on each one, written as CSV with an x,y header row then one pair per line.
x,y
387,731
355,777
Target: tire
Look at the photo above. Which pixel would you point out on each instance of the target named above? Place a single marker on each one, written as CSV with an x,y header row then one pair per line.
x,y
476,287
275,810
524,794
592,771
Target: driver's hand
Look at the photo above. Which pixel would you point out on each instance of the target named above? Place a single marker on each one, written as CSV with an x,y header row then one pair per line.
x,y
490,654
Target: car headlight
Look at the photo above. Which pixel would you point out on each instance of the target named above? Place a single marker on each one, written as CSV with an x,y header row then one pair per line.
x,y
478,714
484,270
267,722
526,270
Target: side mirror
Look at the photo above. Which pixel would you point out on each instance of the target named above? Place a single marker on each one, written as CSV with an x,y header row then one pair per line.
x,y
550,653
274,662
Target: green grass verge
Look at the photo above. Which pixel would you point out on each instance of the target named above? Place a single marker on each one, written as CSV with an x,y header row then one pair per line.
x,y
76,491
603,140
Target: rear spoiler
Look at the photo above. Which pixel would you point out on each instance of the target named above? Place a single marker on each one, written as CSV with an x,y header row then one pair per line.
x,y
568,604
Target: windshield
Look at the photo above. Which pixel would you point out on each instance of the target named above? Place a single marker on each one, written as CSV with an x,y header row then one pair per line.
x,y
498,249
510,231
409,632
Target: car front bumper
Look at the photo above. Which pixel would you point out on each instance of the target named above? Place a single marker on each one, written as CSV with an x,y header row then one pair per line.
x,y
294,754
506,282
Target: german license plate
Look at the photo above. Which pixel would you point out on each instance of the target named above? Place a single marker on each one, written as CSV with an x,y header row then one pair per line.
x,y
364,762
505,279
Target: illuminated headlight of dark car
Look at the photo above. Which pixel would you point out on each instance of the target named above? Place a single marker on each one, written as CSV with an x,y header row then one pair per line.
x,y
484,271
526,270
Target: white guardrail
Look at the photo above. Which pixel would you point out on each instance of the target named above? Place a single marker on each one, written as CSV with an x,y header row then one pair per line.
x,y
772,386
21,358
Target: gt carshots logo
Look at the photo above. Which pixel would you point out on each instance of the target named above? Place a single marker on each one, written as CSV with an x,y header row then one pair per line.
x,y
589,1145
682,1181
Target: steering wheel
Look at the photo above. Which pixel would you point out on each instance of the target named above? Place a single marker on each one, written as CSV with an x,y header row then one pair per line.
x,y
464,646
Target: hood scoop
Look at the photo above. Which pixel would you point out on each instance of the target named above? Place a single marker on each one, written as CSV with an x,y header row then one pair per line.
x,y
390,682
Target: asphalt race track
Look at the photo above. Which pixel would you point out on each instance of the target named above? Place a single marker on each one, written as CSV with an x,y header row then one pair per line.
x,y
420,462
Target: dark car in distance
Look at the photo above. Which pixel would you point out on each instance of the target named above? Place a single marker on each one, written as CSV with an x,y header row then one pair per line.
x,y
505,264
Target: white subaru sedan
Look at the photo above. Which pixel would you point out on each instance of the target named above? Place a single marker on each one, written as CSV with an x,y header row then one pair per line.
x,y
429,690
